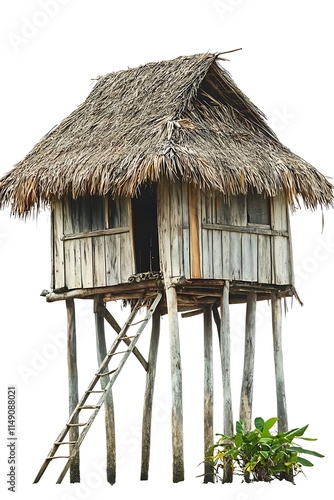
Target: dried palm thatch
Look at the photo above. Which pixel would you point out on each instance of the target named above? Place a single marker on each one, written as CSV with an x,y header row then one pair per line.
x,y
183,118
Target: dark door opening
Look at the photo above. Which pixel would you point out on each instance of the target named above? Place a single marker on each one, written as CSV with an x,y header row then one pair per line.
x,y
145,230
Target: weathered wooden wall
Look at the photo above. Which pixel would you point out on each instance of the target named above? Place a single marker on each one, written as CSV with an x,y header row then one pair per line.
x,y
200,236
206,238
92,244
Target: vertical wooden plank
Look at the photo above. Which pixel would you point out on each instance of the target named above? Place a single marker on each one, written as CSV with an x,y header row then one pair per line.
x,y
238,210
86,248
227,275
235,256
52,242
148,398
195,256
58,245
225,355
249,257
101,350
278,359
72,247
76,206
217,254
264,259
219,207
164,228
246,398
291,277
112,259
281,245
185,230
99,271
126,253
279,213
72,385
176,379
175,228
281,263
207,254
208,393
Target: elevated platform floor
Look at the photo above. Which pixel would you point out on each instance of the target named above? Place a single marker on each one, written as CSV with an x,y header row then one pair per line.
x,y
191,293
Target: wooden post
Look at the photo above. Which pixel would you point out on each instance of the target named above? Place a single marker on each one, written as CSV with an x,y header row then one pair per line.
x,y
176,376
148,398
101,350
226,372
72,384
276,307
195,263
246,398
208,392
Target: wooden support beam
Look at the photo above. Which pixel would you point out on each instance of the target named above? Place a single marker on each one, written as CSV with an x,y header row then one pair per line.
x,y
176,376
217,320
282,415
208,393
102,310
148,398
246,398
72,384
195,263
225,353
101,350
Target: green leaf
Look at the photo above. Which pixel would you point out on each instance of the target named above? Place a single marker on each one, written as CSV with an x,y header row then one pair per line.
x,y
298,449
305,462
259,423
265,440
264,454
270,423
240,427
238,440
295,432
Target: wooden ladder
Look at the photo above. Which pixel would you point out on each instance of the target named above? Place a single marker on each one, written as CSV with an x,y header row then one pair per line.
x,y
103,371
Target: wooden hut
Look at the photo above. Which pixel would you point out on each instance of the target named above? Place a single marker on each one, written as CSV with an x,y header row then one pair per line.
x,y
167,189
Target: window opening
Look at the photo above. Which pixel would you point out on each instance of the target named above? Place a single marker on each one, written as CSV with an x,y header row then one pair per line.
x,y
258,209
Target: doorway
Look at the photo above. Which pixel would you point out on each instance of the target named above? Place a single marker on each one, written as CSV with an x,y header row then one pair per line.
x,y
145,230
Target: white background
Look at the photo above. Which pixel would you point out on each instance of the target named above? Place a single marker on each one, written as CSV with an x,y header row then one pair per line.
x,y
51,51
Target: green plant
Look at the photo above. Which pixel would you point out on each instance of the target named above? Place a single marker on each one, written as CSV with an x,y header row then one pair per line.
x,y
260,455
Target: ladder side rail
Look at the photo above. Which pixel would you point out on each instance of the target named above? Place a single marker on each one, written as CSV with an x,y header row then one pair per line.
x,y
108,387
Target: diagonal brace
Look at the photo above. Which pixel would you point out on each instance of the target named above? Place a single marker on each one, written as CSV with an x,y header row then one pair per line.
x,y
103,311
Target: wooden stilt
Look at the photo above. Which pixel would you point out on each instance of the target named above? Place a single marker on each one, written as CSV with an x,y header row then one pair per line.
x,y
226,372
216,317
101,350
72,383
208,392
148,398
278,358
246,398
176,376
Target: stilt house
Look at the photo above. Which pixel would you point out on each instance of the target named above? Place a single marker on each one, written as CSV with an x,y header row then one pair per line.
x,y
167,189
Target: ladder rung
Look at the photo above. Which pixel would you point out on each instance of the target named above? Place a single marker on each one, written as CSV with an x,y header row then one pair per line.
x,y
119,352
65,442
137,322
128,337
76,425
102,390
106,373
58,456
88,407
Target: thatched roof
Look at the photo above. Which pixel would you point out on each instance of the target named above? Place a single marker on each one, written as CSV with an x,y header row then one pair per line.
x,y
183,118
